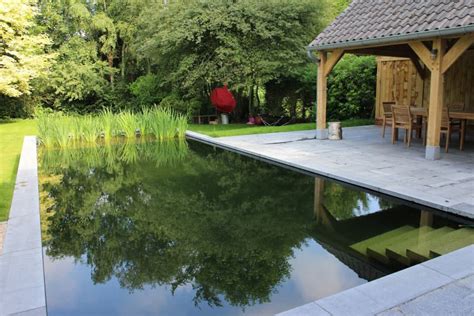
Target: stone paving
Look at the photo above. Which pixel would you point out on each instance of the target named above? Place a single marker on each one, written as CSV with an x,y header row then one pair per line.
x,y
3,230
22,288
365,159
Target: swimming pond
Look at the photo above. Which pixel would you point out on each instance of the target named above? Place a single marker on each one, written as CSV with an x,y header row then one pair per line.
x,y
187,229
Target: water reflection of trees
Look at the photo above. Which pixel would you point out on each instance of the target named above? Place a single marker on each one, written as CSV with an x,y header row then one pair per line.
x,y
224,224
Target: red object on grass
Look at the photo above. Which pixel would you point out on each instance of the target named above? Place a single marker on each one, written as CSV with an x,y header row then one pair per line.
x,y
223,100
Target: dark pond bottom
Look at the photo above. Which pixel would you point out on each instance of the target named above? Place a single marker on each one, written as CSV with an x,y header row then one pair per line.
x,y
186,229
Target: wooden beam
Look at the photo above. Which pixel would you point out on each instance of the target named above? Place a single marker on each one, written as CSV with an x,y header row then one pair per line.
x,y
419,67
423,53
335,56
436,100
321,92
456,51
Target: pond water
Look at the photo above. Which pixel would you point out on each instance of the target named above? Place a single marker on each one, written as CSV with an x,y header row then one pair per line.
x,y
186,229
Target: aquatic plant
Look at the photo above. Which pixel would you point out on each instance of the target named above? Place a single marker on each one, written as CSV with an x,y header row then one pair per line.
x,y
107,122
63,130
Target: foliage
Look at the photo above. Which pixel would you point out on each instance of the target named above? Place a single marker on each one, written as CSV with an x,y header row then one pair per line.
x,y
351,88
335,7
62,130
78,75
22,48
174,102
147,89
201,44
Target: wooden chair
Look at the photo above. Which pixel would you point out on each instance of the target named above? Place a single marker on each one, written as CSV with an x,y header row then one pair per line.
x,y
402,118
446,127
456,107
387,115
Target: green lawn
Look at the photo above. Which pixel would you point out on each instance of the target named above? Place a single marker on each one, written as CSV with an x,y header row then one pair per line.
x,y
244,129
11,141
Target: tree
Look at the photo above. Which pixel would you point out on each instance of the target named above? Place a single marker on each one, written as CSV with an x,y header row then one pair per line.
x,y
22,48
245,43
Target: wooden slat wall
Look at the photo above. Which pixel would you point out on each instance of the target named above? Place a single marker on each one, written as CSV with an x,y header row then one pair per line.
x,y
398,80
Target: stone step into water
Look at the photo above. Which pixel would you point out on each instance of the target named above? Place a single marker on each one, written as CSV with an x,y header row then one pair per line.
x,y
379,252
458,239
362,246
421,252
398,251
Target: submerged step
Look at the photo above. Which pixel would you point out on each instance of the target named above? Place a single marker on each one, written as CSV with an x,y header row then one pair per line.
x,y
362,246
398,251
421,251
379,251
458,239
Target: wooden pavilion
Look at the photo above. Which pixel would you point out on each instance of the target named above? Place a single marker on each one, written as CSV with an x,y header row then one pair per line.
x,y
431,36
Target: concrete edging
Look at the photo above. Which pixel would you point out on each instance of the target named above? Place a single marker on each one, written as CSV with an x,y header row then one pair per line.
x,y
22,285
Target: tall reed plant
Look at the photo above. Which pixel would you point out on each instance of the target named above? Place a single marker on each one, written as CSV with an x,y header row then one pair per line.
x,y
62,130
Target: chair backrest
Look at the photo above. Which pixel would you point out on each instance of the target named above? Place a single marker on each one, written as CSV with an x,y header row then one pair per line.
x,y
401,114
456,107
445,118
387,108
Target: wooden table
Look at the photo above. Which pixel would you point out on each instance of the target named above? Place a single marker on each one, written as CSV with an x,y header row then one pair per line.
x,y
462,116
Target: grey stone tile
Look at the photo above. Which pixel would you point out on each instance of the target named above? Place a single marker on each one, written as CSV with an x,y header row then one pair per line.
x,y
22,269
311,309
23,300
351,302
467,282
32,312
448,300
23,233
391,312
402,286
457,264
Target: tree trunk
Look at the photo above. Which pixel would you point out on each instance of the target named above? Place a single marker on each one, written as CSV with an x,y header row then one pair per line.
x,y
110,59
123,62
257,98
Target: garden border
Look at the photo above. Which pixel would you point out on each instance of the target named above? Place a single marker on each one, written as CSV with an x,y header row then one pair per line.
x,y
22,283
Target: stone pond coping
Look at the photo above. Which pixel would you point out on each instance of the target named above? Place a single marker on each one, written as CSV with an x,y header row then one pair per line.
x,y
22,285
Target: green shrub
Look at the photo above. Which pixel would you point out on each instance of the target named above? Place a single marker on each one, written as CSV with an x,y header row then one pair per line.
x,y
351,88
178,104
146,90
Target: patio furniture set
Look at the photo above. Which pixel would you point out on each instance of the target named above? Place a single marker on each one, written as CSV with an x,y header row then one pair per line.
x,y
412,118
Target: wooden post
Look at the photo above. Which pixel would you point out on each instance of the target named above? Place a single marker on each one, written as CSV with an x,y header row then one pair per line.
x,y
436,101
324,69
321,128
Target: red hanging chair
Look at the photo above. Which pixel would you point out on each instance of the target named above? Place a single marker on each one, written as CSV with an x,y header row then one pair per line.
x,y
223,100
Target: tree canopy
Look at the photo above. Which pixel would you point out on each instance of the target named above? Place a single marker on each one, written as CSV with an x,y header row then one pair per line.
x,y
22,48
130,54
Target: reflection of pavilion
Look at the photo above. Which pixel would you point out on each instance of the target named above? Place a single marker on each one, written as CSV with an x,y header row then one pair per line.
x,y
378,243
